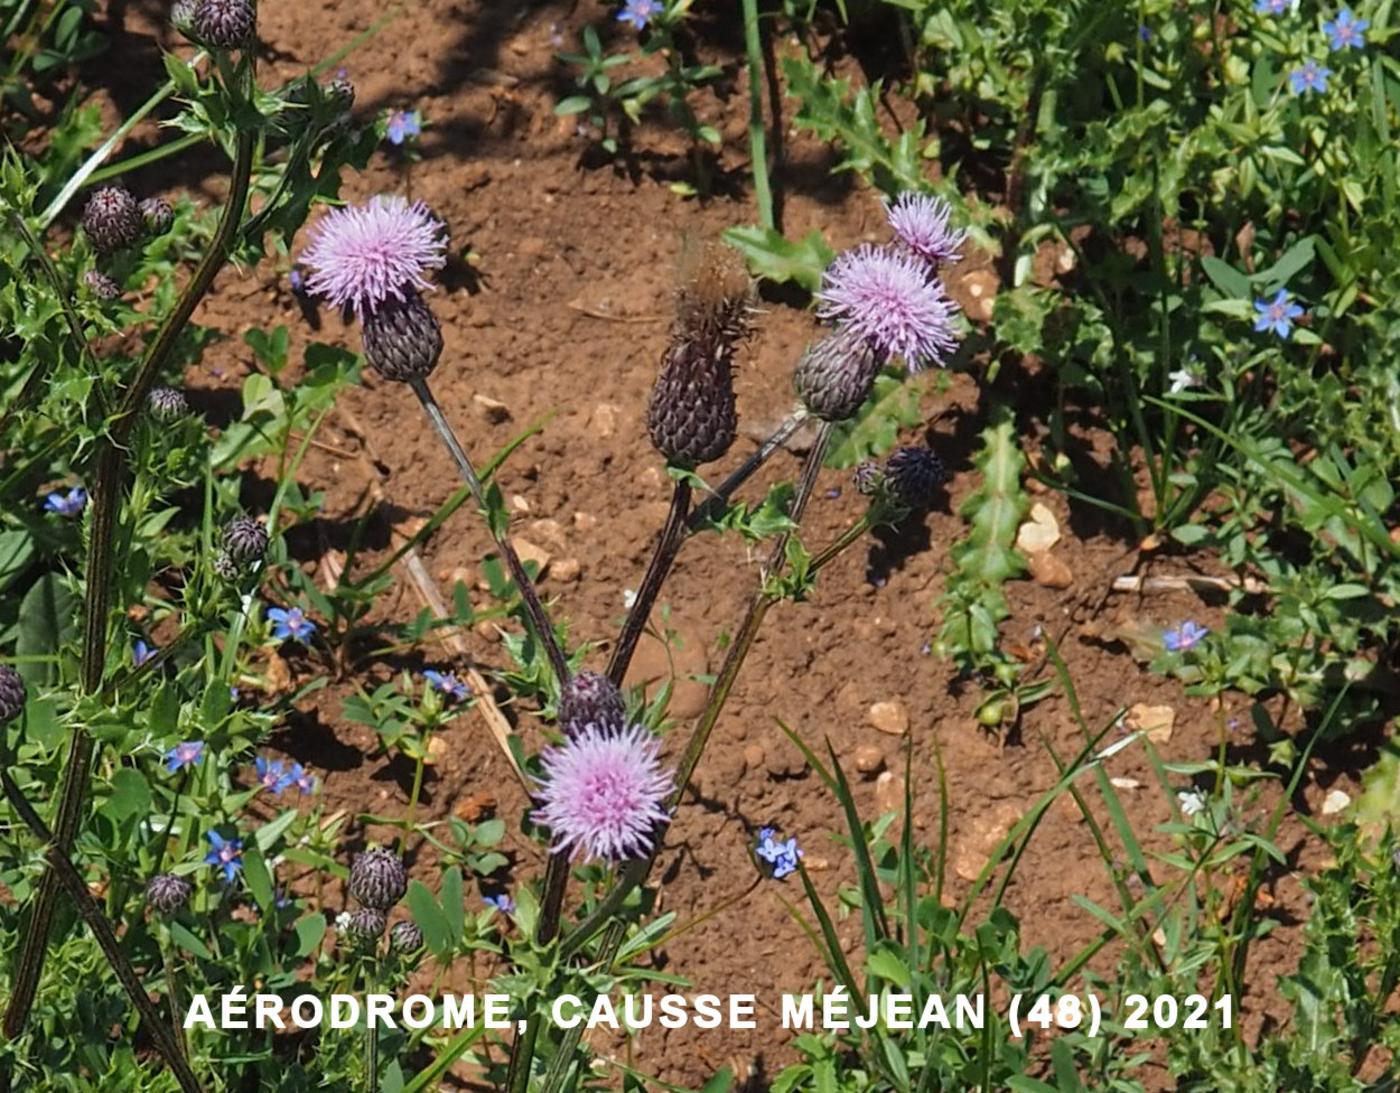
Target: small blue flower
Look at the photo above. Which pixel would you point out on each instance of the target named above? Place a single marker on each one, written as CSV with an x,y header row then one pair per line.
x,y
502,903
226,855
271,774
1276,314
297,280
447,683
1184,638
1271,7
70,504
1346,31
142,652
291,624
404,125
1145,32
639,12
302,778
780,856
186,754
1311,77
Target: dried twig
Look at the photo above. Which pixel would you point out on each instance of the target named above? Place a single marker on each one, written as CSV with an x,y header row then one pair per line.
x,y
1193,582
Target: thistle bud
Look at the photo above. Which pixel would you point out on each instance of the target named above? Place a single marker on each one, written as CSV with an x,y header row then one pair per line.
x,y
244,540
868,478
157,215
112,219
402,339
692,417
182,18
166,404
405,938
340,92
226,568
834,376
591,699
912,475
366,925
100,285
166,893
378,879
12,694
224,24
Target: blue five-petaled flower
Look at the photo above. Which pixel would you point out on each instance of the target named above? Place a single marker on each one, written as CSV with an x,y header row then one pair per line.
x,y
502,903
302,778
67,504
226,855
1276,314
781,856
1346,31
403,126
272,775
639,12
1184,638
142,652
289,624
1271,7
1311,77
447,683
185,754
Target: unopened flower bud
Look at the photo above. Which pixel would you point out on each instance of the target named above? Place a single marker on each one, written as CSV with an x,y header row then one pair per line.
x,y
12,694
591,699
366,925
244,540
341,92
378,879
226,568
166,893
867,478
912,475
167,405
834,376
402,338
224,24
112,219
100,285
157,215
405,938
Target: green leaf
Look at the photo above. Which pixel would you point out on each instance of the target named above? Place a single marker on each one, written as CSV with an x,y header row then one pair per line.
x,y
773,257
437,933
1225,277
893,405
453,908
187,941
310,929
47,622
16,552
130,795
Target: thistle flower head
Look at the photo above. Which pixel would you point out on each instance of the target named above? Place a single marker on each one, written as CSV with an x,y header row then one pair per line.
x,y
603,793
911,476
112,219
13,694
591,699
166,893
835,375
921,223
889,299
402,338
166,404
714,295
378,879
363,255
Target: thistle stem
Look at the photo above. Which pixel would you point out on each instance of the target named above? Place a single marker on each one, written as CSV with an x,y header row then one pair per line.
x,y
662,558
534,609
71,881
716,503
106,501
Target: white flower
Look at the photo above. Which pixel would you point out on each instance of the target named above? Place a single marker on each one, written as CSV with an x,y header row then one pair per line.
x,y
342,921
1183,378
1192,801
629,598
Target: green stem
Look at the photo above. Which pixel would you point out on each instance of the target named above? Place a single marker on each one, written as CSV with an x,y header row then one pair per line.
x,y
106,500
534,609
413,799
758,147
71,881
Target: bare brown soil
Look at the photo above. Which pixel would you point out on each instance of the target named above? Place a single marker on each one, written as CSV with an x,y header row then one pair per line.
x,y
561,318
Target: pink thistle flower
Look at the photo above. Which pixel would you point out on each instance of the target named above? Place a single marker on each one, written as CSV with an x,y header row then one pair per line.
x,y
921,223
361,255
889,298
603,792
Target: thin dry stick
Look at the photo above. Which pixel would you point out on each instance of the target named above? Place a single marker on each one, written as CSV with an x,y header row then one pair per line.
x,y
1193,582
